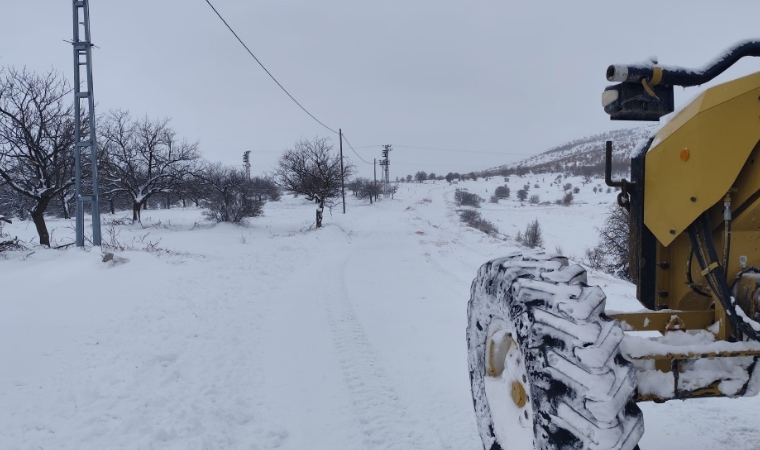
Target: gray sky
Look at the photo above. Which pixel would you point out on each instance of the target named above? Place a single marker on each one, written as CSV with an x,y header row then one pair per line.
x,y
511,78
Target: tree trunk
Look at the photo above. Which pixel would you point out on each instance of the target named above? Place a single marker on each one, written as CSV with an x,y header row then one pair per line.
x,y
136,208
112,206
38,216
65,206
320,210
168,200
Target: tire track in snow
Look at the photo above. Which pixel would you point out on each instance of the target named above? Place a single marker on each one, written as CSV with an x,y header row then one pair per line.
x,y
383,418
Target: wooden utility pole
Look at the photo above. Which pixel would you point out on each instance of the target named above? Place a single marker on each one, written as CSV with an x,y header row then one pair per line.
x,y
342,175
374,167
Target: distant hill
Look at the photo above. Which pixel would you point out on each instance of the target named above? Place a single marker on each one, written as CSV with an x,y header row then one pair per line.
x,y
584,155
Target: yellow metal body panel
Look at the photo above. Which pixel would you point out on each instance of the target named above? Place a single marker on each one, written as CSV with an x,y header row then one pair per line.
x,y
720,129
659,320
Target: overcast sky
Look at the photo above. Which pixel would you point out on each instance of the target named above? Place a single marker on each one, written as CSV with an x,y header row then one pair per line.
x,y
498,80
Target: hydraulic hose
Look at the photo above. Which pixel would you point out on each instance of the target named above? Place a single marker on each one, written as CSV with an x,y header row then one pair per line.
x,y
689,279
726,229
704,249
677,76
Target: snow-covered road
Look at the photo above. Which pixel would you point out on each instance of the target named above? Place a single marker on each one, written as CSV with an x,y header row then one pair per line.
x,y
275,336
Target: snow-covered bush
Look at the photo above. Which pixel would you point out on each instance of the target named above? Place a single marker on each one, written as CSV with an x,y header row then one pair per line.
x,y
229,195
567,199
502,192
473,219
532,237
494,199
534,199
464,198
6,242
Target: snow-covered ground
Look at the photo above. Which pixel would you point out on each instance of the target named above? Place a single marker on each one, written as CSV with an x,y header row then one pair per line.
x,y
276,335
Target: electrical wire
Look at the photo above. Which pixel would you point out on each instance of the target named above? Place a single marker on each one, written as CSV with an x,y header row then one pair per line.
x,y
352,149
265,69
462,151
322,123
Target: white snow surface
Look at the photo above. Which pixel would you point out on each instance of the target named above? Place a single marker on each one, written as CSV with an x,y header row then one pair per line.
x,y
275,335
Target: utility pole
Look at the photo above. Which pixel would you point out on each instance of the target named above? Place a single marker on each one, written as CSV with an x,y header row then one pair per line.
x,y
374,167
83,68
386,163
342,175
247,164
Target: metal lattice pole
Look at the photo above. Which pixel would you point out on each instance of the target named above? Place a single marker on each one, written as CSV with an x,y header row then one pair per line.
x,y
386,163
83,59
247,164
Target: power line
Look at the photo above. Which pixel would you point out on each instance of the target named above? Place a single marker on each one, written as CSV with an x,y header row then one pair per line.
x,y
322,123
463,151
352,149
265,69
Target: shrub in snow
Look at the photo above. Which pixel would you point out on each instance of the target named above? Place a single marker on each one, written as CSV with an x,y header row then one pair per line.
x,y
534,200
576,190
532,237
536,186
464,198
494,199
230,195
6,242
473,219
522,195
567,199
502,192
567,187
610,255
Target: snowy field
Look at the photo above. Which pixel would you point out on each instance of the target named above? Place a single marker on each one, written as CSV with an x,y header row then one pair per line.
x,y
276,335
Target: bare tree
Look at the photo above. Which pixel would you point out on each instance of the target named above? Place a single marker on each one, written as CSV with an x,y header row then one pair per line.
x,y
365,188
265,189
392,189
36,139
611,253
312,169
143,158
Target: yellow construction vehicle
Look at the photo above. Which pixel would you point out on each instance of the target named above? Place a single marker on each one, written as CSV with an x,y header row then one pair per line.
x,y
549,368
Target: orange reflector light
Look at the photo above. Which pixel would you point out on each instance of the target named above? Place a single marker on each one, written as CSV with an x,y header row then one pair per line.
x,y
685,155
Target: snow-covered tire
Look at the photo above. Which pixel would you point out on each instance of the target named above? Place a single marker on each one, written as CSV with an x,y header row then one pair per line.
x,y
579,388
